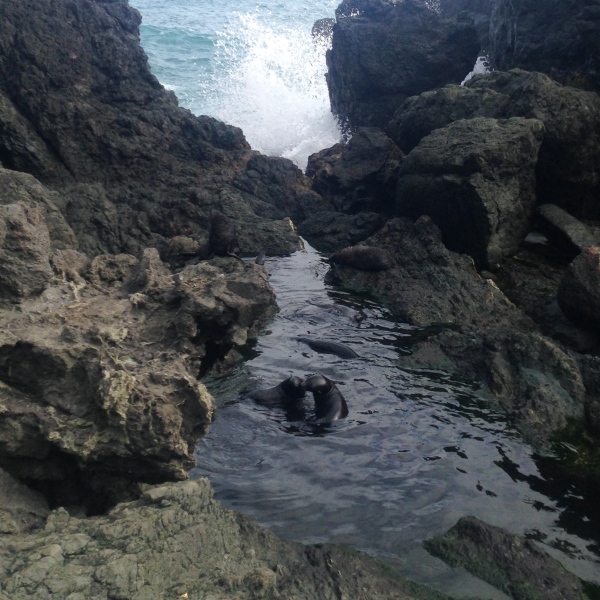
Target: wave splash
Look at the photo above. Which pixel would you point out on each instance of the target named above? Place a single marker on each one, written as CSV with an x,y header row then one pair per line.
x,y
270,81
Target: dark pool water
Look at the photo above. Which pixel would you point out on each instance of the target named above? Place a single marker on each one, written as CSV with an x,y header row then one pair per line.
x,y
419,449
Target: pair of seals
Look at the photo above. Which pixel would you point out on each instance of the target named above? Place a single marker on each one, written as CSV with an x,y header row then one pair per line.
x,y
330,405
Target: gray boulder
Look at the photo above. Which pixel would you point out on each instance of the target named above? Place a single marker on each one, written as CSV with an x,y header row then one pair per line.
x,y
331,230
476,179
567,173
579,291
384,52
468,326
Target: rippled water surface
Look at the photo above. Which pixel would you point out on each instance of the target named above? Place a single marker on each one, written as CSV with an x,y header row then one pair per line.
x,y
419,449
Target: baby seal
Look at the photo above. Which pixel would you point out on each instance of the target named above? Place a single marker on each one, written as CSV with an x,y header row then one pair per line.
x,y
329,402
289,391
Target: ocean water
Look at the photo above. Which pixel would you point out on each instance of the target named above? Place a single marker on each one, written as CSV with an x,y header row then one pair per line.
x,y
251,64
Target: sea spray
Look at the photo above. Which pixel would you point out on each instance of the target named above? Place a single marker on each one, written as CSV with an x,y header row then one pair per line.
x,y
269,79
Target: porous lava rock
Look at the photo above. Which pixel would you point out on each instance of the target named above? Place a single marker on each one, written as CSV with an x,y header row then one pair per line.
x,y
476,179
561,39
567,172
100,364
24,252
360,175
383,52
579,291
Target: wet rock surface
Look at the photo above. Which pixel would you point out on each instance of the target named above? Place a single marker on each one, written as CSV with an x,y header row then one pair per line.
x,y
471,327
177,542
509,562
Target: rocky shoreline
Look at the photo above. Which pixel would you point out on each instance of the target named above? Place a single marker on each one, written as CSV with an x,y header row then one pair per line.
x,y
460,207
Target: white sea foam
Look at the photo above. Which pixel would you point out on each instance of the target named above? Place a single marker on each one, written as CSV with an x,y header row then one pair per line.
x,y
270,81
482,66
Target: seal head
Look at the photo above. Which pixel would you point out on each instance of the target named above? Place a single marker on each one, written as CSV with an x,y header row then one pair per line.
x,y
330,405
289,391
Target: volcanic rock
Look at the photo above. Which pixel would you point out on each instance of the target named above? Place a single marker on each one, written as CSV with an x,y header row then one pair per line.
x,y
24,252
579,291
384,52
561,39
358,176
470,327
81,111
475,178
176,541
99,375
567,173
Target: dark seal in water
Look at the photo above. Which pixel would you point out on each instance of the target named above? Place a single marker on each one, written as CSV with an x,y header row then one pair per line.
x,y
329,347
290,390
329,402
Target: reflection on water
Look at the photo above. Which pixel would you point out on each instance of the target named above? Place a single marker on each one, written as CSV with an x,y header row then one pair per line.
x,y
419,449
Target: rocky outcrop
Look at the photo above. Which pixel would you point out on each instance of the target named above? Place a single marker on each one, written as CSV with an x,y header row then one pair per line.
x,y
100,359
360,175
476,179
176,541
384,52
561,39
80,110
509,562
579,291
567,170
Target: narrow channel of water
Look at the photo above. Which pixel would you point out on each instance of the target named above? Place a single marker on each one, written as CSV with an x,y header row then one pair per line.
x,y
419,449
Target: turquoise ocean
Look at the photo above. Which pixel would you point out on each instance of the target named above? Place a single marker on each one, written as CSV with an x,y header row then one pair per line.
x,y
251,64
